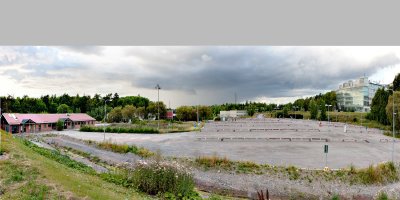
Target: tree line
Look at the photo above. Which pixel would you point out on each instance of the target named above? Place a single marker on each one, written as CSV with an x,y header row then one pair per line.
x,y
382,104
65,103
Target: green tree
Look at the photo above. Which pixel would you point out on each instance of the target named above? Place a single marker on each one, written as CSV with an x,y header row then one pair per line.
x,y
285,111
184,113
322,115
141,112
39,106
389,109
60,125
115,115
153,109
98,113
52,107
115,99
251,110
378,106
16,106
299,103
204,112
128,112
396,82
63,108
313,109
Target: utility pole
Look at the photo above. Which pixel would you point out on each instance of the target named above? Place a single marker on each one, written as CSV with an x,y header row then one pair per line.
x,y
105,114
295,109
158,105
197,113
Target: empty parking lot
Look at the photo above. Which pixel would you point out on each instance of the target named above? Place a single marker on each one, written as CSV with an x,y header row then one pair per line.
x,y
269,141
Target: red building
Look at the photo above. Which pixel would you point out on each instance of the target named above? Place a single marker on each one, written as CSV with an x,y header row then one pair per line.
x,y
171,114
30,123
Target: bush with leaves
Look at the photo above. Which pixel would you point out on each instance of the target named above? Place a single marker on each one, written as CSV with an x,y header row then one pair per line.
x,y
118,130
60,125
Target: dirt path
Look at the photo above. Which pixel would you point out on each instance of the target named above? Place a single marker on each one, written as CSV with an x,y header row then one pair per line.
x,y
108,156
96,167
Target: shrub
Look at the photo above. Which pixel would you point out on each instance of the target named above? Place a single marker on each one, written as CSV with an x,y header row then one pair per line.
x,y
60,125
142,152
118,130
279,114
383,196
154,177
213,161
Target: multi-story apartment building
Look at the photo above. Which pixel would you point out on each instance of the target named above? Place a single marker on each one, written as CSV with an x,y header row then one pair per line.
x,y
356,95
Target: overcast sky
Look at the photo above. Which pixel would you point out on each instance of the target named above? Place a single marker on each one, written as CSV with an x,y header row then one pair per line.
x,y
192,75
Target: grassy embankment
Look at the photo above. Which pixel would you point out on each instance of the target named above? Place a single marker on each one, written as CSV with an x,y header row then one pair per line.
x,y
29,175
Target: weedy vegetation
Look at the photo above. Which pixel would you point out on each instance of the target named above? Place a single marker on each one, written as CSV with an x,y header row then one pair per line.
x,y
119,130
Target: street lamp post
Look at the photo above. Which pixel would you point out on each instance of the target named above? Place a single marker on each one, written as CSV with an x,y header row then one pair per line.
x,y
105,115
158,105
295,108
328,111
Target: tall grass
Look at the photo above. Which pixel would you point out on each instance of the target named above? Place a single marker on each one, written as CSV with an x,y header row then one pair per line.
x,y
154,177
60,158
213,161
118,148
382,173
119,130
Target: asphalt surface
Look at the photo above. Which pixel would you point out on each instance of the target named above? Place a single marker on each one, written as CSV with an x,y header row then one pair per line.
x,y
269,141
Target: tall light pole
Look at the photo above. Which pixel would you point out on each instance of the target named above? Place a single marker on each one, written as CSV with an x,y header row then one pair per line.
x,y
393,127
295,108
158,105
328,111
105,115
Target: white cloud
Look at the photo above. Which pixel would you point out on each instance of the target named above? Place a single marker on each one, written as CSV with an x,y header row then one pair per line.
x,y
206,58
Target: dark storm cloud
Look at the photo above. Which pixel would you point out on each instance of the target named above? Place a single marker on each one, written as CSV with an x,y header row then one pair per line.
x,y
258,71
213,72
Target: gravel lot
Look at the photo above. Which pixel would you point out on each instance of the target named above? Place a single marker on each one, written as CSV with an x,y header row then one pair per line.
x,y
267,141
263,141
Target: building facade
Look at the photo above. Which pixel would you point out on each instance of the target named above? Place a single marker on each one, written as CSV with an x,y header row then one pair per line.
x,y
171,114
356,95
31,123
